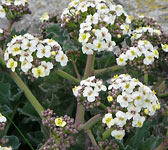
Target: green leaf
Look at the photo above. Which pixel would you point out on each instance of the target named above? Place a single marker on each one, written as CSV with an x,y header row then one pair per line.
x,y
140,134
13,141
36,137
151,143
28,110
61,36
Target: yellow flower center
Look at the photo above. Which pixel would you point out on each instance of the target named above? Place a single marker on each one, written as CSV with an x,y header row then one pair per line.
x,y
147,101
138,98
39,72
139,124
121,119
0,115
132,52
74,89
110,98
146,111
11,64
121,59
150,57
127,86
108,120
99,45
84,37
50,40
16,49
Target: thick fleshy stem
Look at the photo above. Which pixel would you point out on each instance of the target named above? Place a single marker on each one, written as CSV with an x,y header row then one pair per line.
x,y
35,103
76,70
80,112
67,76
111,69
146,78
89,132
90,123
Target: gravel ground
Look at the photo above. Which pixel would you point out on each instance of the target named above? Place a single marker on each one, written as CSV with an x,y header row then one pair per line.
x,y
151,8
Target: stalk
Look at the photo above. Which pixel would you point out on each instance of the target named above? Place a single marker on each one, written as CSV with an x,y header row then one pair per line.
x,y
35,103
89,132
67,76
146,78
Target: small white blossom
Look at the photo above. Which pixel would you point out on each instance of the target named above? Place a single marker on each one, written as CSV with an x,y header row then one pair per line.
x,y
108,120
118,134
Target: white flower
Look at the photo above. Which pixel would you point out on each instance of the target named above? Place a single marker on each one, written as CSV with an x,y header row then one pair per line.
x,y
88,81
26,55
87,48
129,19
149,58
99,86
135,36
118,134
132,111
121,61
90,93
156,53
2,12
26,66
45,17
126,29
103,34
124,99
38,72
31,45
5,148
92,19
76,89
138,98
6,55
102,8
146,44
110,45
50,42
108,120
120,119
2,118
109,19
99,45
15,49
84,37
85,27
11,64
48,66
138,121
165,47
62,58
43,51
118,9
82,7
17,2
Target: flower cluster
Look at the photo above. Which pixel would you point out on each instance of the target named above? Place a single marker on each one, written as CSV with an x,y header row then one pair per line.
x,y
62,128
144,51
2,122
33,56
98,22
13,9
88,92
132,104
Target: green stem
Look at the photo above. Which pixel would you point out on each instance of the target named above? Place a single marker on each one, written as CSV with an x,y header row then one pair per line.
x,y
76,70
20,132
89,132
80,113
111,69
146,77
89,66
66,76
107,133
90,123
103,106
35,103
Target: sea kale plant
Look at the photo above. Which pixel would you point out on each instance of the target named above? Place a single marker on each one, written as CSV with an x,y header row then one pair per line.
x,y
94,78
